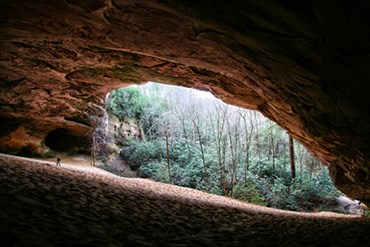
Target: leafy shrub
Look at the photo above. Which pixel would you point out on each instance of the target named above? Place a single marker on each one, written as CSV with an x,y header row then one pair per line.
x,y
148,170
253,155
305,194
280,196
248,193
126,103
139,153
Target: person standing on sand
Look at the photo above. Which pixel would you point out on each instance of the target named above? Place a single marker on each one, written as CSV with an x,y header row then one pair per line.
x,y
58,161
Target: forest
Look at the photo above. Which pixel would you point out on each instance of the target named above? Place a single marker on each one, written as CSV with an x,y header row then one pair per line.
x,y
189,138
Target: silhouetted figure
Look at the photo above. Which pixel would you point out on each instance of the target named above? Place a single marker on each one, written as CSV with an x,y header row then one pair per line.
x,y
58,161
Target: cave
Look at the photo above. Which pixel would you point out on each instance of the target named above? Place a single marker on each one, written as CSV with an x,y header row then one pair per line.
x,y
63,140
303,64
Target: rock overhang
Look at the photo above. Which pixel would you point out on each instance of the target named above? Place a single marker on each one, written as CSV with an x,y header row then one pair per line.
x,y
305,66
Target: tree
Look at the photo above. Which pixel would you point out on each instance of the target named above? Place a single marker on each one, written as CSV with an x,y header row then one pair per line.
x,y
291,155
221,149
197,123
166,129
271,144
248,132
218,120
168,154
126,103
233,131
182,116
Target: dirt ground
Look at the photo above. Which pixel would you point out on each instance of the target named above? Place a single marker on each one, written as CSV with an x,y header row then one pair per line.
x,y
80,162
45,205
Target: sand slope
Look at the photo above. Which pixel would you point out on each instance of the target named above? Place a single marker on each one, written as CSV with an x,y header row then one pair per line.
x,y
43,205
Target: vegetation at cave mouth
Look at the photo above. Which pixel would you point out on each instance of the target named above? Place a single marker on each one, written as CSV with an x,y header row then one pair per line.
x,y
194,140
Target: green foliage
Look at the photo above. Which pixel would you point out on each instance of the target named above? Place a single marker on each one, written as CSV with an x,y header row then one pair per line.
x,y
126,103
130,103
303,195
279,196
248,193
139,153
109,168
207,150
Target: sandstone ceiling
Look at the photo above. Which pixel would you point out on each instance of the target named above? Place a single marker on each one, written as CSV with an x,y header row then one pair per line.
x,y
303,64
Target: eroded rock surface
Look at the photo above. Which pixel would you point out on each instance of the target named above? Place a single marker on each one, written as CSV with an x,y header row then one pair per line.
x,y
303,64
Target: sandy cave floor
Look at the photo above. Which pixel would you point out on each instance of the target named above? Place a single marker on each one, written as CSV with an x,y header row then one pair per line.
x,y
76,162
44,205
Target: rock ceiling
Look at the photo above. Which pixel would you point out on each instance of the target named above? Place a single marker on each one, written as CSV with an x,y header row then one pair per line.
x,y
304,65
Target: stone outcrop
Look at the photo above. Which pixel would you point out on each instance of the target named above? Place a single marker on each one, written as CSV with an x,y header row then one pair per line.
x,y
118,134
304,65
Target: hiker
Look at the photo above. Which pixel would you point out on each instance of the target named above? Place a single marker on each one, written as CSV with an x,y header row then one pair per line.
x,y
58,161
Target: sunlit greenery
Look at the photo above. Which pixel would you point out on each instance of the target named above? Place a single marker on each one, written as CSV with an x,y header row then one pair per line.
x,y
202,143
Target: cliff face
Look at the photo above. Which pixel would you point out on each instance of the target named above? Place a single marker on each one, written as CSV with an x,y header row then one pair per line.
x,y
304,65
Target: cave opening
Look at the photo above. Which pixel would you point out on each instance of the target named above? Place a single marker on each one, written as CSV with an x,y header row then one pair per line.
x,y
190,138
64,140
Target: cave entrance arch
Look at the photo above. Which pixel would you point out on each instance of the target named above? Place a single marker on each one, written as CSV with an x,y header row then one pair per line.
x,y
292,62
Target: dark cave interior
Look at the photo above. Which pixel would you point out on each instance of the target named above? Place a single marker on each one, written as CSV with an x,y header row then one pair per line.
x,y
63,140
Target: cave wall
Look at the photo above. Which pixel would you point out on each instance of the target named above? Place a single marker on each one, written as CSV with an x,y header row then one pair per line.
x,y
303,64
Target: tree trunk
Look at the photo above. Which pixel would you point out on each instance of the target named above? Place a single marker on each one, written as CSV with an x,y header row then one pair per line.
x,y
291,155
246,165
168,158
220,140
223,165
271,147
186,138
248,138
197,129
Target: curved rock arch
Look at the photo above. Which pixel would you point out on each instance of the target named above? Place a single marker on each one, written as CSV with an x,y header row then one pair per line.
x,y
305,66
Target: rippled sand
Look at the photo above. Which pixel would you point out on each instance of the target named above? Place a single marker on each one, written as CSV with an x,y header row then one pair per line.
x,y
44,205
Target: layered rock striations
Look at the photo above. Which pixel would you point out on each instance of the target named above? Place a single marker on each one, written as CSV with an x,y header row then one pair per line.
x,y
304,65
